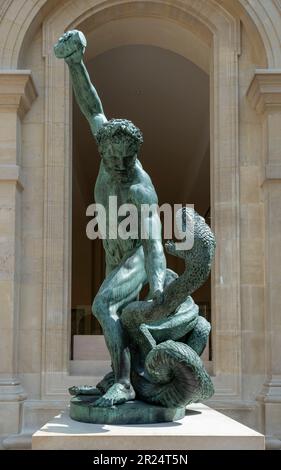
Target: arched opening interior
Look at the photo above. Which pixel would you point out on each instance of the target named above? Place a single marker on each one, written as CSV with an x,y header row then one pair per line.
x,y
167,97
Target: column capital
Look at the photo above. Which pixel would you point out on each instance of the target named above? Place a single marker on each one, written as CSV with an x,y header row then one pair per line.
x,y
17,91
264,92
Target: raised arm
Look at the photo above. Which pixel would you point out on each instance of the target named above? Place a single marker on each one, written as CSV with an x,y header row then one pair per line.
x,y
71,47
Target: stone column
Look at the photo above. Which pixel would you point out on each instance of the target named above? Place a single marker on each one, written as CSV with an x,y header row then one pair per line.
x,y
265,95
17,92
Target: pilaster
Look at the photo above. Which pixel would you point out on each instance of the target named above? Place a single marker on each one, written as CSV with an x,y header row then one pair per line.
x,y
265,96
17,92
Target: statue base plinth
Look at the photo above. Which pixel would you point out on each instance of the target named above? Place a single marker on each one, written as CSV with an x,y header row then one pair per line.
x,y
202,428
133,412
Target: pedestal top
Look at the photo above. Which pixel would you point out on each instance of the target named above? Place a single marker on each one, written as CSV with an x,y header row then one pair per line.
x,y
202,428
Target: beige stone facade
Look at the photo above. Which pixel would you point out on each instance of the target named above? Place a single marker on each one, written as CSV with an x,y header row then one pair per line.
x,y
237,42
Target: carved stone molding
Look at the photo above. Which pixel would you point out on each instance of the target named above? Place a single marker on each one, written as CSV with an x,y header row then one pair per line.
x,y
264,92
17,91
12,173
256,19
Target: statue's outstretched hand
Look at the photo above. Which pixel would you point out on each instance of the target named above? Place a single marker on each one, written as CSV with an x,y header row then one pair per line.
x,y
71,47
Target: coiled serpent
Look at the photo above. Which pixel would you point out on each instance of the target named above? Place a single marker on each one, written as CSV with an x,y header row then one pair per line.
x,y
168,337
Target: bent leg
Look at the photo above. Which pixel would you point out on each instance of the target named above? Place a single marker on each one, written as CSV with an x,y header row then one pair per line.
x,y
120,288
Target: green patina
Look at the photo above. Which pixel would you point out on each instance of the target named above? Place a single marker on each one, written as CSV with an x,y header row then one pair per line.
x,y
155,345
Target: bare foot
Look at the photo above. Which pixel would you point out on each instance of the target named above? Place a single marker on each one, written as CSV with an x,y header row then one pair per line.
x,y
106,382
83,390
115,395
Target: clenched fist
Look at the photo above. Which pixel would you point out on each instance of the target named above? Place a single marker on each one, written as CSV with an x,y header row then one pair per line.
x,y
71,47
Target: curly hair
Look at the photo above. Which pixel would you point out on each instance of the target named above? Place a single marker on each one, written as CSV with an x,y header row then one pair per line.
x,y
119,129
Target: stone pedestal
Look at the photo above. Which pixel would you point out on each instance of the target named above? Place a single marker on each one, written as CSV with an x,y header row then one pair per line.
x,y
202,428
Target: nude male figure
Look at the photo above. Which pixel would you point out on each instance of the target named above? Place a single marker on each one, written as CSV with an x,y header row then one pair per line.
x,y
129,263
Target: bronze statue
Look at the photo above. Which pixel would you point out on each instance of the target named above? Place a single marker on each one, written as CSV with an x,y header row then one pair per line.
x,y
165,328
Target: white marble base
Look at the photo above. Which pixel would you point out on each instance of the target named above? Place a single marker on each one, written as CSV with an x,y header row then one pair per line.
x,y
202,428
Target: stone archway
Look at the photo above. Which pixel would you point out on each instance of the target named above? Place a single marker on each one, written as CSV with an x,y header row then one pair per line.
x,y
21,19
217,33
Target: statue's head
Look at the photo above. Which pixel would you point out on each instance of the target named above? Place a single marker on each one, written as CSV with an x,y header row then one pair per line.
x,y
119,142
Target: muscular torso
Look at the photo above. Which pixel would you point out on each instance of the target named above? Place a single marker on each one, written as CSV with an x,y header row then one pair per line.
x,y
125,192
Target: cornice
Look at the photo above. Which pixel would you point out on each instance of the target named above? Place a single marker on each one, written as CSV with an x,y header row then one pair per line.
x,y
17,91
